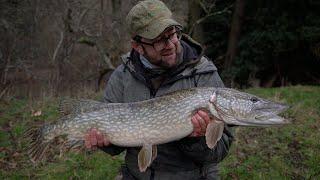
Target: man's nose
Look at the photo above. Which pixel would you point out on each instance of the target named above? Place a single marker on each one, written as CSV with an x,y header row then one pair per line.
x,y
169,44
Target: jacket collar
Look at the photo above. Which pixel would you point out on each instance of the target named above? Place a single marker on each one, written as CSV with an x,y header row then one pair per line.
x,y
192,51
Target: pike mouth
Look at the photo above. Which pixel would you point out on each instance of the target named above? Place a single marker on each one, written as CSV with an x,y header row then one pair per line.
x,y
272,108
270,120
267,116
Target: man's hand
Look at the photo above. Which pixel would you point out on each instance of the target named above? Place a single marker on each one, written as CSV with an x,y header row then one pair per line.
x,y
200,121
94,139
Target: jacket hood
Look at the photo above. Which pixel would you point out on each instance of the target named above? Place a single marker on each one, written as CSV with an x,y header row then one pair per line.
x,y
192,55
194,45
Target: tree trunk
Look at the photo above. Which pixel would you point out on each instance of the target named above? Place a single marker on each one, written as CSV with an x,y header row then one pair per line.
x,y
234,33
195,14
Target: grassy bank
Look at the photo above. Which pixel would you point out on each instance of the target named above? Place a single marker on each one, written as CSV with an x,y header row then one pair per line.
x,y
286,152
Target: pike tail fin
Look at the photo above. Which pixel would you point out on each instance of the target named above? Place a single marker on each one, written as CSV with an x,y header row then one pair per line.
x,y
37,145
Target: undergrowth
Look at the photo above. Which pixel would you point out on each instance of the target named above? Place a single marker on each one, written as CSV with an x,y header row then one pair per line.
x,y
286,152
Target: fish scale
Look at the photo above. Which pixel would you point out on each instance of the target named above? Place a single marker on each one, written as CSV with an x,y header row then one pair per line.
x,y
159,120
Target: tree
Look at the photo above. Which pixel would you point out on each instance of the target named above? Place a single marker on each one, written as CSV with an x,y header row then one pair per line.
x,y
234,35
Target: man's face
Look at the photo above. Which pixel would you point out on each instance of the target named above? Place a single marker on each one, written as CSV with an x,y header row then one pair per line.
x,y
163,50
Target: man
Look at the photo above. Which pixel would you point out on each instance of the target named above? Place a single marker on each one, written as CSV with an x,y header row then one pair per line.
x,y
163,60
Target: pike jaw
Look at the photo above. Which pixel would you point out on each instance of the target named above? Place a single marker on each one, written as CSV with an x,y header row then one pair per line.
x,y
239,108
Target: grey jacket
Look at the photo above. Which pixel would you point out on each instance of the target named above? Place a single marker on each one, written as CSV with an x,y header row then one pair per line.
x,y
188,158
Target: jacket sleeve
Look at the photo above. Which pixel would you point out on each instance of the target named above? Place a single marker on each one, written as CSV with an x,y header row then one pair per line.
x,y
195,147
113,94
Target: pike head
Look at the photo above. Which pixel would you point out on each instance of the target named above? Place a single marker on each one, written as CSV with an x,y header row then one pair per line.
x,y
239,108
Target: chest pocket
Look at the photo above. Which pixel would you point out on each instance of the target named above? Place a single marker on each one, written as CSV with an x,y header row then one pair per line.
x,y
135,90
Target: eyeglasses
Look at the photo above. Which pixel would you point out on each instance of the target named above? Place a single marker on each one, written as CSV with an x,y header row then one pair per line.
x,y
162,43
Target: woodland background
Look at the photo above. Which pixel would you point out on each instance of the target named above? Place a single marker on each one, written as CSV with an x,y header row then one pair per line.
x,y
56,48
65,47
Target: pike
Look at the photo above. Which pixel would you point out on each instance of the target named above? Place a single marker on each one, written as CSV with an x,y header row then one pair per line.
x,y
156,121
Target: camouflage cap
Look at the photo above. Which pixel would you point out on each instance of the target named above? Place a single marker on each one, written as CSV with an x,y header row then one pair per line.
x,y
149,19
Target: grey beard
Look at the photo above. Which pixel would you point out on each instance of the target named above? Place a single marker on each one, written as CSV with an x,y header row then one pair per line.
x,y
162,65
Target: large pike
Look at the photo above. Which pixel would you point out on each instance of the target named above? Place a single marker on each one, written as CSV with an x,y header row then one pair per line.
x,y
157,121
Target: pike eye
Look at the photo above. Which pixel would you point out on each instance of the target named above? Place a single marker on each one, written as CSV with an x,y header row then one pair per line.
x,y
254,99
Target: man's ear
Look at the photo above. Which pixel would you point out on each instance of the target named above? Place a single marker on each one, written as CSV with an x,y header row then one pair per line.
x,y
136,46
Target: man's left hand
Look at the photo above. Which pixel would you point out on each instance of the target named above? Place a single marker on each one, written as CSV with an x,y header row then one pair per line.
x,y
200,121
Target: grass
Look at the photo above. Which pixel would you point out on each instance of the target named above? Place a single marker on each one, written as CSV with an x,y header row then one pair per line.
x,y
287,152
19,114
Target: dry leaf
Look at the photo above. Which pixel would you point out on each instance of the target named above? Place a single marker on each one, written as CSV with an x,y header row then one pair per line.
x,y
36,113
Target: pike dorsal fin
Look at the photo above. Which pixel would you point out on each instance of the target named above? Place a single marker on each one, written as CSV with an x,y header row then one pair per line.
x,y
69,106
146,155
214,133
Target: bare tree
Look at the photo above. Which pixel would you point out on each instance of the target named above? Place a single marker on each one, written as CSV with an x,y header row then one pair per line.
x,y
196,7
194,15
234,33
62,45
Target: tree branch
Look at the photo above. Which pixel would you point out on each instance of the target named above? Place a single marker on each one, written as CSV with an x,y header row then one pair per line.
x,y
207,16
58,47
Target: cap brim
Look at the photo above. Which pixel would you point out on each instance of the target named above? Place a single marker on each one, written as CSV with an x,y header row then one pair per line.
x,y
156,28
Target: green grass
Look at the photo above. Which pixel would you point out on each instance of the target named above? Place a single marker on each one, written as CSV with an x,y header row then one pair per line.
x,y
287,152
16,117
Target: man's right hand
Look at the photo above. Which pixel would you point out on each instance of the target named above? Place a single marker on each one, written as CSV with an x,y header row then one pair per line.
x,y
94,139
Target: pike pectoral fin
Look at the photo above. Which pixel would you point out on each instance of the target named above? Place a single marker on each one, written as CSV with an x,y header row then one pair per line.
x,y
214,132
154,152
146,155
